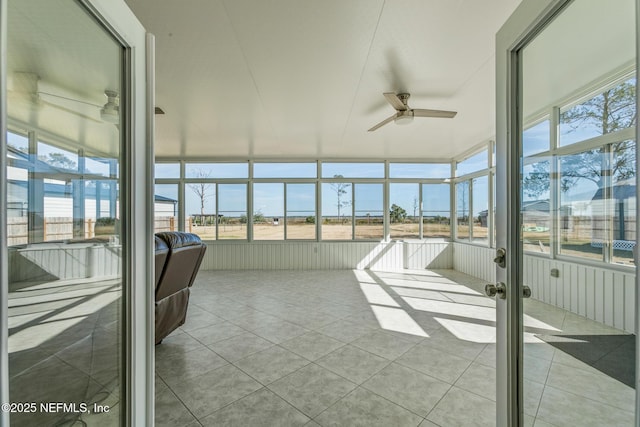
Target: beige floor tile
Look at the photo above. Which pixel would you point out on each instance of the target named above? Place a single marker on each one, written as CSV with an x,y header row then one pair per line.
x,y
345,330
389,346
271,364
434,362
214,333
262,408
461,408
312,345
479,379
408,388
170,411
363,408
176,367
561,408
312,389
352,363
209,392
240,346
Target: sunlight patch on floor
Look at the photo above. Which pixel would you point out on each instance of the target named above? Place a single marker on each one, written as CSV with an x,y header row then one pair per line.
x,y
452,308
398,320
447,286
376,295
474,332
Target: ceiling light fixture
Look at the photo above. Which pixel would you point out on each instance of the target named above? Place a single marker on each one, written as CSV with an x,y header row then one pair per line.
x,y
111,110
404,117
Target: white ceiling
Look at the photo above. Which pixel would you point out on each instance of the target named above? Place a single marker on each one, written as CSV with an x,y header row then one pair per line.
x,y
61,47
304,79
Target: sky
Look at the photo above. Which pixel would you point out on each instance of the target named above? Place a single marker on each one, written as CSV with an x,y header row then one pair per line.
x,y
269,198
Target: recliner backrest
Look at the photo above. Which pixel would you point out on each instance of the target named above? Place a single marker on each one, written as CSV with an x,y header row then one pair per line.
x,y
186,251
161,253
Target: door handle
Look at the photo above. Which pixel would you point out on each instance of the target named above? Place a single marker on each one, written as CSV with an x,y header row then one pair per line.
x,y
526,292
501,257
499,289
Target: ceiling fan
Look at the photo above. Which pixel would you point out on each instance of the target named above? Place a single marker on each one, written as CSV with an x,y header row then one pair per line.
x,y
31,88
405,115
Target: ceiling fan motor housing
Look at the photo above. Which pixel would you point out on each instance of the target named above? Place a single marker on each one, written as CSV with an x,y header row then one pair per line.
x,y
404,117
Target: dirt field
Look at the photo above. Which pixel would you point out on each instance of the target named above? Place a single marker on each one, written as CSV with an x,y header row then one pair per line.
x,y
329,231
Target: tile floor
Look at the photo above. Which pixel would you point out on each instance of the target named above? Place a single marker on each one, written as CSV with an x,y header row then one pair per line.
x,y
64,346
367,348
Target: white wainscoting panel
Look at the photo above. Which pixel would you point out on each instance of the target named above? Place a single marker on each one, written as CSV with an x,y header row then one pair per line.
x,y
598,293
327,255
59,261
605,295
475,261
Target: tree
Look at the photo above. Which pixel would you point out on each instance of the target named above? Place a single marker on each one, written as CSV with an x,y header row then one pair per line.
x,y
58,160
341,189
416,202
462,190
610,111
397,213
202,190
258,216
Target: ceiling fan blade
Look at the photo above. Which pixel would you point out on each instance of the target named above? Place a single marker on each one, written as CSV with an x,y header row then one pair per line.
x,y
421,112
395,101
384,122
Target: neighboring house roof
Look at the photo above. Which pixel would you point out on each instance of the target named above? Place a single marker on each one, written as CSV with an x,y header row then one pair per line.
x,y
62,190
619,192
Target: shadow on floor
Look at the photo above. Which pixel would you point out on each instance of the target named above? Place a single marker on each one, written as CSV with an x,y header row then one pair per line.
x,y
613,355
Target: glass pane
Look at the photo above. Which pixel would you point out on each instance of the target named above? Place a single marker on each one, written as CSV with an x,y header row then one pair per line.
x,y
17,142
336,211
66,305
582,204
535,139
17,206
166,207
436,212
200,209
167,170
57,157
536,207
98,166
216,170
419,170
612,110
301,211
480,197
285,170
474,163
578,323
622,209
268,211
462,210
404,214
232,211
368,211
353,170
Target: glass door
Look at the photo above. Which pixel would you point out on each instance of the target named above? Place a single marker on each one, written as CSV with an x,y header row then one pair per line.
x,y
64,217
73,307
566,180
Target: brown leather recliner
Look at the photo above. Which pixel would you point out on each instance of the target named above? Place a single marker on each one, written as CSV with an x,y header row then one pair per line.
x,y
178,256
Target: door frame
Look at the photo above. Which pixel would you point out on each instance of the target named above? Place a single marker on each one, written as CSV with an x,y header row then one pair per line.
x,y
136,199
